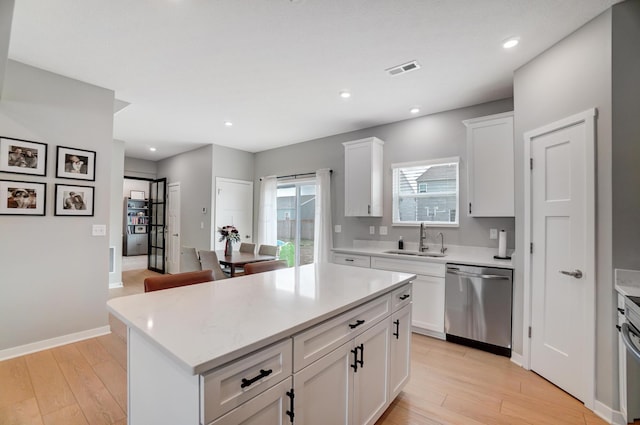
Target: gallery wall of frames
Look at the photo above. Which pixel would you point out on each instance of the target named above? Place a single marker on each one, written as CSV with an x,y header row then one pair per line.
x,y
29,158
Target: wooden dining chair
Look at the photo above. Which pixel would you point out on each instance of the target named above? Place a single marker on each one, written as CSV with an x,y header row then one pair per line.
x,y
264,266
166,281
247,247
268,250
209,261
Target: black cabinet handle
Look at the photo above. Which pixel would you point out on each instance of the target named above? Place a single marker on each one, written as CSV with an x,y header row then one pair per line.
x,y
351,260
263,373
289,412
355,359
619,328
361,361
621,310
397,332
404,297
358,323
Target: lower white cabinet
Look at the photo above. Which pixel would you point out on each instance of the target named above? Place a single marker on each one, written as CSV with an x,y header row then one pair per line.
x,y
400,351
428,305
272,407
352,260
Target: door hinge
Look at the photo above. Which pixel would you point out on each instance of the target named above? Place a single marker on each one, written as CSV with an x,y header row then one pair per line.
x,y
531,248
531,163
529,331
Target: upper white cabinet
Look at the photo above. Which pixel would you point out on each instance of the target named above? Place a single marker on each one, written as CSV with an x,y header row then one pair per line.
x,y
363,178
490,166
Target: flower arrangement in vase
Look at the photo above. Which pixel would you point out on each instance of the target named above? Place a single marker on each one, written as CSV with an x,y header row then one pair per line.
x,y
229,234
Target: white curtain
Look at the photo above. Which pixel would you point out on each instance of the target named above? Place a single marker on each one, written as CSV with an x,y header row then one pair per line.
x,y
323,237
268,213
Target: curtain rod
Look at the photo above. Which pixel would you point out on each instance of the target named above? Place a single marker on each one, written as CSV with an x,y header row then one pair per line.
x,y
295,176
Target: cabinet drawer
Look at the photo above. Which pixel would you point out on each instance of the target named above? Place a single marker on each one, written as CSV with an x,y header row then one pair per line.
x,y
310,345
352,260
229,386
400,297
408,266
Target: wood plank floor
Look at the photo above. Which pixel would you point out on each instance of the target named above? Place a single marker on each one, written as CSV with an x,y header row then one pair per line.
x,y
85,383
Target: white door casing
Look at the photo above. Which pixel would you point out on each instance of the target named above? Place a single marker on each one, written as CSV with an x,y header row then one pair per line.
x,y
234,206
173,229
560,236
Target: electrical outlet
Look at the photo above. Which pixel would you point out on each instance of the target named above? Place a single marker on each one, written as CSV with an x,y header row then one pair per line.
x,y
383,230
493,233
372,230
99,230
337,228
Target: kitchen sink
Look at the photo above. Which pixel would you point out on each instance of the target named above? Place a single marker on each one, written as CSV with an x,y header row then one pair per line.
x,y
414,253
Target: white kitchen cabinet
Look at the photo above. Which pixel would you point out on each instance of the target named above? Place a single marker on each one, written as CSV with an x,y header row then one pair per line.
x,y
490,166
363,178
352,260
400,351
427,292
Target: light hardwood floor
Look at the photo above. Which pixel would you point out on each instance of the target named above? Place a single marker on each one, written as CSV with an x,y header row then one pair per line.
x,y
85,383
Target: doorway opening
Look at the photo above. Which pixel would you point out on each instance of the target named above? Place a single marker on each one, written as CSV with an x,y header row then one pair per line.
x,y
296,205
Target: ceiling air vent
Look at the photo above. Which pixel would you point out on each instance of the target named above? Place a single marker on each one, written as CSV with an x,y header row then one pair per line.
x,y
401,69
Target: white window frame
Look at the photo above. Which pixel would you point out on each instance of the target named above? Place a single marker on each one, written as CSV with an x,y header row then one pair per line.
x,y
396,197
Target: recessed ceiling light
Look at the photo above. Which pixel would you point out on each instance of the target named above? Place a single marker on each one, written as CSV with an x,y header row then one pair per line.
x,y
414,110
345,94
228,123
511,42
153,149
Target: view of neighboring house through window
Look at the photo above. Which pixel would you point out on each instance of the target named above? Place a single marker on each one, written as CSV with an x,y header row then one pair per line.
x,y
296,204
426,192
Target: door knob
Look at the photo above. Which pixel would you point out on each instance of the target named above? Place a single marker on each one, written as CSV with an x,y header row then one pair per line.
x,y
577,273
175,234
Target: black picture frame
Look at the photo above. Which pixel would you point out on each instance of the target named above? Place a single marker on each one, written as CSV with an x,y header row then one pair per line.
x,y
23,198
74,200
75,164
19,156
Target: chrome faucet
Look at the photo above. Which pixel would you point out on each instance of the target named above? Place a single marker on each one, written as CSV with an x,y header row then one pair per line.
x,y
423,237
442,248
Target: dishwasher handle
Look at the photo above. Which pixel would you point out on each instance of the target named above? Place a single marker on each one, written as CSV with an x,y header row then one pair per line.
x,y
625,330
459,272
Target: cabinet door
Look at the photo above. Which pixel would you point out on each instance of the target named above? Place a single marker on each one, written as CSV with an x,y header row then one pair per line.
x,y
370,381
428,305
269,408
323,389
491,166
363,178
400,353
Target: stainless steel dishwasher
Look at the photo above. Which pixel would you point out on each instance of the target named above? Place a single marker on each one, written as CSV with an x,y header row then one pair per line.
x,y
478,306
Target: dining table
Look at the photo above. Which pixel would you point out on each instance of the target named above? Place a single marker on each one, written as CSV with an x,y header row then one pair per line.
x,y
239,259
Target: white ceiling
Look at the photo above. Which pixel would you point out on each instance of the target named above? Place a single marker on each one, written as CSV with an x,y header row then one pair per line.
x,y
275,67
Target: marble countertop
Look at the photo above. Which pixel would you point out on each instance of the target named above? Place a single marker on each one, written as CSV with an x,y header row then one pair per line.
x,y
207,325
471,255
627,282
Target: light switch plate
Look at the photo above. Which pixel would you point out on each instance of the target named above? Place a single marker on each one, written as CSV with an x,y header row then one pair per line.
x,y
372,230
337,228
99,230
383,230
493,233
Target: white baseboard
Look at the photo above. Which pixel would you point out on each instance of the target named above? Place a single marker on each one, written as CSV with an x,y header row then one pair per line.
x,y
427,332
517,358
22,350
608,414
115,285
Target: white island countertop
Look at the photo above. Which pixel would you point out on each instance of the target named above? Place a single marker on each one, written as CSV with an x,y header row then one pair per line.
x,y
207,325
627,282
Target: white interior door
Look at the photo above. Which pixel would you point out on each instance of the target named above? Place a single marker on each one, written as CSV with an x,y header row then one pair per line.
x,y
173,221
234,206
562,272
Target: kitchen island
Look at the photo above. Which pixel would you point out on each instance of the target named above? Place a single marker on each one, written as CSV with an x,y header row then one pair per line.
x,y
235,350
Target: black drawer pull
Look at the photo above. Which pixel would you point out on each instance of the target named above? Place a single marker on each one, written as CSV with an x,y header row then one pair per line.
x,y
361,361
621,310
619,328
358,323
397,332
349,259
355,359
290,413
263,373
404,297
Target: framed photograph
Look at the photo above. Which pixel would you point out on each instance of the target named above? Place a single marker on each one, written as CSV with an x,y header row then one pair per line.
x,y
140,229
23,157
22,198
137,194
74,200
75,164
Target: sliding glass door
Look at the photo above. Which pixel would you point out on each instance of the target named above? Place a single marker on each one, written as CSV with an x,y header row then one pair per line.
x,y
296,221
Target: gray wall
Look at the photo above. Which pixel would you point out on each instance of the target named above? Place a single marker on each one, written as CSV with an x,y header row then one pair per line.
x,y
54,273
115,229
428,137
626,135
570,77
142,168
